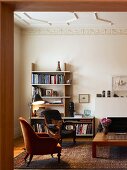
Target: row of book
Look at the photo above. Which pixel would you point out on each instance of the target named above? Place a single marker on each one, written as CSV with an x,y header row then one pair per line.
x,y
47,79
83,129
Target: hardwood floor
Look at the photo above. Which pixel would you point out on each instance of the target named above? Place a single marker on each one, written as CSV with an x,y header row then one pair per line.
x,y
19,144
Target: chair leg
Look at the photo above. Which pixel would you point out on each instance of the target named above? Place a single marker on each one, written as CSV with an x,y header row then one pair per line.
x,y
30,159
59,154
60,141
26,156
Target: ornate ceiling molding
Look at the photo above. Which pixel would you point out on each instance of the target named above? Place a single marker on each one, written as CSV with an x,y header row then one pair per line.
x,y
75,31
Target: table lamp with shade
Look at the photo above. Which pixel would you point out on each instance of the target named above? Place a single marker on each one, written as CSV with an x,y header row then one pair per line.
x,y
36,104
38,100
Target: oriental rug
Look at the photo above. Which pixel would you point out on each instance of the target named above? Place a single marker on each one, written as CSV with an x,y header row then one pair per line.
x,y
78,156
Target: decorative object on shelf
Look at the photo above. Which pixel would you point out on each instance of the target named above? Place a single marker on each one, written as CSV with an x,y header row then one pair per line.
x,y
84,98
108,93
69,81
55,93
87,112
71,109
103,93
99,95
105,122
58,66
48,92
115,95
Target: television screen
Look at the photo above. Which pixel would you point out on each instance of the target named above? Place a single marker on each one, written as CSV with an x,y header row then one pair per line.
x,y
119,124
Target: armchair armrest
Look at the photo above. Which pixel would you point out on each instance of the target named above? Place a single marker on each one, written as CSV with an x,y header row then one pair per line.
x,y
56,135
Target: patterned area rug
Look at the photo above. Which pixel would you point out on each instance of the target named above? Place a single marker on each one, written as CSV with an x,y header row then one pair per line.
x,y
78,156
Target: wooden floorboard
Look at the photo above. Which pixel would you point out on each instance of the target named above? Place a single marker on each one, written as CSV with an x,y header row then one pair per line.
x,y
18,146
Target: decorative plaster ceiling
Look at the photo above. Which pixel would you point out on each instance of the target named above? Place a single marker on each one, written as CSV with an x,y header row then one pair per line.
x,y
71,19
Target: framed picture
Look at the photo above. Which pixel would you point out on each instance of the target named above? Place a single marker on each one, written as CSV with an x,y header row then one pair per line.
x,y
54,93
48,92
119,83
84,98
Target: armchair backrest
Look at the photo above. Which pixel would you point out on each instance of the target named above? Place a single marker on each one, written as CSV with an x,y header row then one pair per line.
x,y
29,135
51,114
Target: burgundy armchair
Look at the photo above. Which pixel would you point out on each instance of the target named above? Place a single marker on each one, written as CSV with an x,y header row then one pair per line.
x,y
38,143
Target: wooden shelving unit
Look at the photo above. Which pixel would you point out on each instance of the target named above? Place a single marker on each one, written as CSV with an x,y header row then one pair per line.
x,y
56,82
84,126
88,123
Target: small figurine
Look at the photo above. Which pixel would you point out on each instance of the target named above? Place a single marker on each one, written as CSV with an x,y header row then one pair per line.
x,y
58,66
103,93
108,93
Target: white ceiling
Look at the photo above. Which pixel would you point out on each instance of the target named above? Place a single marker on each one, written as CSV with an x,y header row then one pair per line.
x,y
71,19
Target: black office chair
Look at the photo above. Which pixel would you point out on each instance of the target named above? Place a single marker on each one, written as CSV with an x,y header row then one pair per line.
x,y
57,128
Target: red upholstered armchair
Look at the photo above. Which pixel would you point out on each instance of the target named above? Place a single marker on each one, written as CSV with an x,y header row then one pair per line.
x,y
38,143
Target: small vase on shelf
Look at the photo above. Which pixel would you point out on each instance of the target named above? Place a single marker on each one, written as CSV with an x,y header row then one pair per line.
x,y
58,66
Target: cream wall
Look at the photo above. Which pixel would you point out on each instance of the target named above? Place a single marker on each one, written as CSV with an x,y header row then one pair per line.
x,y
94,59
17,78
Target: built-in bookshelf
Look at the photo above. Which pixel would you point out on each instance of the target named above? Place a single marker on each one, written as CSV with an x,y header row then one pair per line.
x,y
54,87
